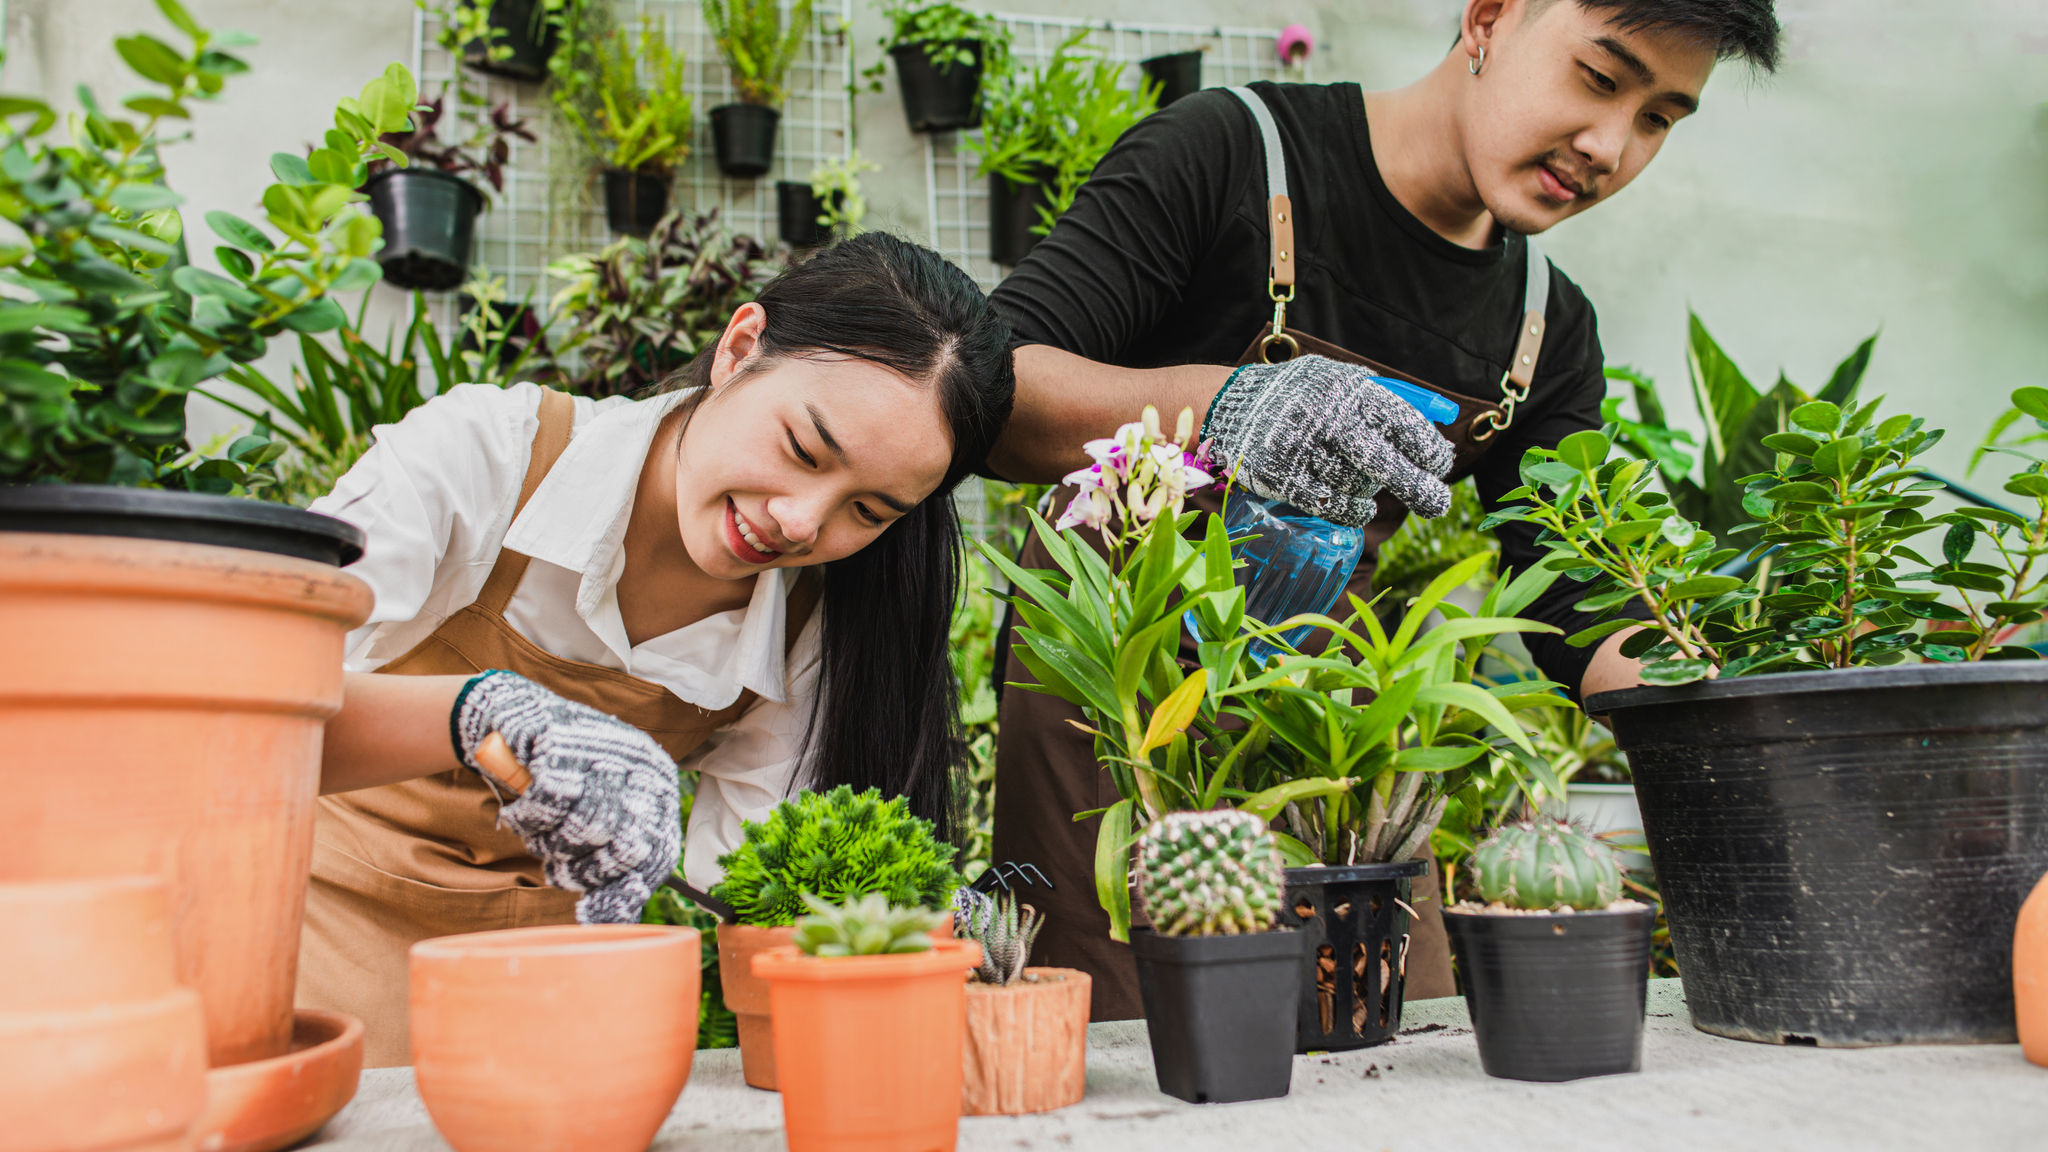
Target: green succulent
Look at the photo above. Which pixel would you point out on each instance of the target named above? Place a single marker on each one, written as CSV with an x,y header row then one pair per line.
x,y
835,845
1546,864
869,926
1216,873
1004,928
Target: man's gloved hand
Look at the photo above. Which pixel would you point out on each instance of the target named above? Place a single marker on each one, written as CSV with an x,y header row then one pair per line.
x,y
1322,436
602,813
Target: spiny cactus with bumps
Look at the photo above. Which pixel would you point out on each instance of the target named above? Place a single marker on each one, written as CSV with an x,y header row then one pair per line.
x,y
1003,927
1210,874
837,845
869,926
1544,864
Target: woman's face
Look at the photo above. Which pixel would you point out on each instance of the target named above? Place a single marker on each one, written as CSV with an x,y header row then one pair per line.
x,y
801,461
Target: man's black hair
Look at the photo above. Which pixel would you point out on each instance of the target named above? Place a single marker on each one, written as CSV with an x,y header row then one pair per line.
x,y
1745,28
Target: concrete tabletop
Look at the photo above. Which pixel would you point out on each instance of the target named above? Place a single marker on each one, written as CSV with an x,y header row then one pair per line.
x,y
1423,1091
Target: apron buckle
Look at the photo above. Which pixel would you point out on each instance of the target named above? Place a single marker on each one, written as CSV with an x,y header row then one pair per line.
x,y
1282,297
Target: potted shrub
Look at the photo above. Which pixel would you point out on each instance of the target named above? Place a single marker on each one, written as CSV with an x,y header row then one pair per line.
x,y
1027,1028
1177,74
1554,963
1841,838
758,48
515,39
869,1006
941,51
428,210
836,845
638,130
173,652
831,205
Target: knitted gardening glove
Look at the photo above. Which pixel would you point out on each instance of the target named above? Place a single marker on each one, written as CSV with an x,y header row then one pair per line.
x,y
1322,436
602,813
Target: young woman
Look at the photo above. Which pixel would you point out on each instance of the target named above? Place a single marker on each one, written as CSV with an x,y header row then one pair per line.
x,y
750,574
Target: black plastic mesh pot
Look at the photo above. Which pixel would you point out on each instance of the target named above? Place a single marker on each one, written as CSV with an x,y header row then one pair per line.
x,y
1358,946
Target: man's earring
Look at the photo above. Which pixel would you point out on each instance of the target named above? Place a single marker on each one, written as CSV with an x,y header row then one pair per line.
x,y
1473,66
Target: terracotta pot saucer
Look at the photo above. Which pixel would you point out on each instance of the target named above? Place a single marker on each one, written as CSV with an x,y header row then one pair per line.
x,y
264,1105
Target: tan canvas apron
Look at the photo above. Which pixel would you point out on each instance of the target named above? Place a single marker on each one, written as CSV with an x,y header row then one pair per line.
x,y
401,863
1046,769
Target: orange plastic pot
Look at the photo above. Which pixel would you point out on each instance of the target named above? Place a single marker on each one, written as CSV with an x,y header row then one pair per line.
x,y
99,1046
868,1048
746,996
1026,1043
554,1039
2030,974
171,698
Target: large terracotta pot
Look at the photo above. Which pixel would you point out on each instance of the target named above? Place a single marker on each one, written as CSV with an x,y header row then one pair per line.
x,y
1027,1043
868,1048
746,996
99,1045
2030,974
170,698
554,1039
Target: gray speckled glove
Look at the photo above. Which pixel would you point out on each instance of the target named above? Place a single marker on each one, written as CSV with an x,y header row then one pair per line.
x,y
603,812
1322,436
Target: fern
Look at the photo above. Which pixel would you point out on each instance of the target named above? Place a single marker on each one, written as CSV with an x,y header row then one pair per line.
x,y
837,846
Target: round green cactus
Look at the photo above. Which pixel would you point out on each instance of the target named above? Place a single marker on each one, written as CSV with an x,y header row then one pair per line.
x,y
1544,864
1210,874
834,845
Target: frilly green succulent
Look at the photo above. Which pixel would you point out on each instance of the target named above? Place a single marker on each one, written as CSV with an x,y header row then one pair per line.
x,y
835,845
1544,864
1214,873
869,926
1004,928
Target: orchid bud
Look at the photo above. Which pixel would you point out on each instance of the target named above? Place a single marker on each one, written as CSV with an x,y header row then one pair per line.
x,y
1185,427
1151,422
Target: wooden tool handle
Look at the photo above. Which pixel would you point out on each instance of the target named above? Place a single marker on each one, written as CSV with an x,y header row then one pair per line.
x,y
501,765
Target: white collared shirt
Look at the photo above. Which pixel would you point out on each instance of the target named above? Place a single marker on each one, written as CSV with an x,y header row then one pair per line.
x,y
435,496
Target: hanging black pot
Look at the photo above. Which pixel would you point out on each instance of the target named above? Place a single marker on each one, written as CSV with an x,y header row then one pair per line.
x,y
186,517
429,220
797,210
938,97
743,135
1842,854
1357,950
1178,74
1220,1012
523,27
635,199
1013,213
1555,996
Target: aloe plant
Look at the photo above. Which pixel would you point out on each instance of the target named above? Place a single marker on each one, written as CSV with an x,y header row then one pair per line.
x,y
1004,927
868,926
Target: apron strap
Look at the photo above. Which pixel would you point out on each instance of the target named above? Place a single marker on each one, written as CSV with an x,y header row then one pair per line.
x,y
557,420
1279,208
1535,302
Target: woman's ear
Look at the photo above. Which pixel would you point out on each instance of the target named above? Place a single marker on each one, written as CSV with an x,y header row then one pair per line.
x,y
740,343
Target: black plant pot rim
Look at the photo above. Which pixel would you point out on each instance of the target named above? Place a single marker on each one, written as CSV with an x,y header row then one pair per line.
x,y
1164,56
920,45
1265,945
435,173
73,508
1547,917
1780,684
1352,873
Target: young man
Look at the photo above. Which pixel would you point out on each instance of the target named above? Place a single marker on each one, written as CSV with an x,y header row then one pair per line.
x,y
1409,212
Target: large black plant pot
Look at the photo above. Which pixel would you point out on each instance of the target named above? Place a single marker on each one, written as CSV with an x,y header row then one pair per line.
x,y
1178,74
1220,1012
429,220
186,517
743,136
524,28
797,210
1842,854
1357,951
1013,213
635,199
1555,996
935,98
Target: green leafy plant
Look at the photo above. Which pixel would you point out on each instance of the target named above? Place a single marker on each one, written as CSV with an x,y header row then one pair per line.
x,y
835,845
628,122
1005,929
868,926
758,45
1540,865
836,184
1999,598
1425,549
465,26
485,152
1052,124
948,33
105,327
1213,873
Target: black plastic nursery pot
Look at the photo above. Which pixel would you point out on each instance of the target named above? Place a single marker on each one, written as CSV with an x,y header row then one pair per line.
x,y
1013,213
1220,1012
1178,74
938,99
635,199
1356,956
1842,854
429,220
185,517
1555,995
797,209
522,27
743,137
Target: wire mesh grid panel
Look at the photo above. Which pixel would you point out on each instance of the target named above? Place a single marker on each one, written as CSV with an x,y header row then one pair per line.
x,y
552,202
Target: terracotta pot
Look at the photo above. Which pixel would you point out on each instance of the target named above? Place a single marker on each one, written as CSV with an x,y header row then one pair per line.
x,y
746,996
171,697
555,1039
2030,974
868,1048
99,1046
1027,1043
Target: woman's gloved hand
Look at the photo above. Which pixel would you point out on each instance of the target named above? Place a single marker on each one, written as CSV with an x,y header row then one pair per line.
x,y
602,814
1322,436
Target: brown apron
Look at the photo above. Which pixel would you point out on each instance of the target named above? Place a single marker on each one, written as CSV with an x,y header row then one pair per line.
x,y
1046,769
400,863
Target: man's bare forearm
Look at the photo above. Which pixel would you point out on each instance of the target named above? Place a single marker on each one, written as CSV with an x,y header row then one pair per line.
x,y
1064,400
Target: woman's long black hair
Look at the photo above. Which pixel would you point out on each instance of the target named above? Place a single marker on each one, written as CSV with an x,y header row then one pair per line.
x,y
888,707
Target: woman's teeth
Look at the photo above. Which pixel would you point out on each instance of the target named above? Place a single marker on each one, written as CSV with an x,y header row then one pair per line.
x,y
747,533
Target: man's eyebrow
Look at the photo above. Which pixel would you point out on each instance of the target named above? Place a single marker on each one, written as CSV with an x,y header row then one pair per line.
x,y
824,434
1644,74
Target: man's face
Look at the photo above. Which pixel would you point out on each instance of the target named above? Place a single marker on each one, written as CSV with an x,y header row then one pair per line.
x,y
1568,108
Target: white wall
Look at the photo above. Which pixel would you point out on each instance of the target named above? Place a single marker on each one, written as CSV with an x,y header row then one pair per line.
x,y
1894,174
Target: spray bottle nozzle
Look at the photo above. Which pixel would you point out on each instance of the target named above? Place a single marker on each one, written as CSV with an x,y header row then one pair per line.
x,y
1434,408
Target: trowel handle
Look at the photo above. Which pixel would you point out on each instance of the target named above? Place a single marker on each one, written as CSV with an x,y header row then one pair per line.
x,y
498,762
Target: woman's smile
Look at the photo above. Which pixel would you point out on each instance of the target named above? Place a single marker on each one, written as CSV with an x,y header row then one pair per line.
x,y
745,542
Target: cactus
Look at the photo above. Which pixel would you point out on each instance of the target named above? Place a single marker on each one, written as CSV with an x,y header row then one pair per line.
x,y
1004,928
837,845
1545,864
869,926
1209,874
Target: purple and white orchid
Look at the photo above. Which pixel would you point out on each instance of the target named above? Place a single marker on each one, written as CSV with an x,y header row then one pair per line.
x,y
1138,475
